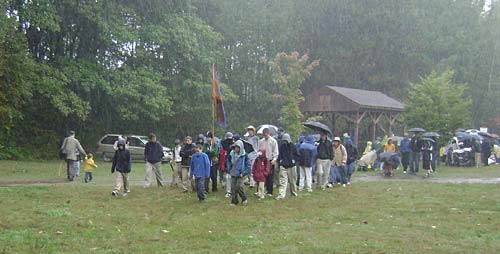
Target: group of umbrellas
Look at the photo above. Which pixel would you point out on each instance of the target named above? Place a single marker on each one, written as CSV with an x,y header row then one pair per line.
x,y
459,133
428,136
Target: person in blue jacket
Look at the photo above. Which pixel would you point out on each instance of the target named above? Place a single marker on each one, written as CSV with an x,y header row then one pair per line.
x,y
200,170
405,149
239,167
307,153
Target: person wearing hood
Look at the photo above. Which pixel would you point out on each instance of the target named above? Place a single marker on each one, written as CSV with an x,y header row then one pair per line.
x,y
272,151
260,170
200,170
340,159
239,167
226,144
186,155
288,175
368,149
323,160
352,155
307,153
121,167
254,141
153,152
300,140
405,149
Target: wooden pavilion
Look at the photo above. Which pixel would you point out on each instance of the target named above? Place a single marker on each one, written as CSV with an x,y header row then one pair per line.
x,y
353,105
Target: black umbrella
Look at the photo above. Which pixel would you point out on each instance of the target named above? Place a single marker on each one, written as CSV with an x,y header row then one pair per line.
x,y
431,135
428,139
387,155
485,134
317,126
416,130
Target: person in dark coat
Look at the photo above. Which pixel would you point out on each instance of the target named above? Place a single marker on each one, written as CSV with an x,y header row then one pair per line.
x,y
405,149
286,158
427,156
153,153
186,155
486,148
352,155
416,149
226,144
121,167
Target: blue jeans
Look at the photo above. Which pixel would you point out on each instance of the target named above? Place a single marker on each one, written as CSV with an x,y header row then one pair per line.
x,y
350,170
343,174
88,177
200,187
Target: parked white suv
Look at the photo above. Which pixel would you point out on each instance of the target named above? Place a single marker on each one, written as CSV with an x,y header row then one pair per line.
x,y
136,146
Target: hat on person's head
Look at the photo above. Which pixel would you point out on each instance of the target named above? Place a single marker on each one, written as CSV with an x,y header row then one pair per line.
x,y
236,137
346,135
229,135
287,138
209,135
336,139
250,127
71,133
301,139
280,129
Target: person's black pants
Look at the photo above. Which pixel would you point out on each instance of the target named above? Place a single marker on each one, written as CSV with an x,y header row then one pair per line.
x,y
270,180
213,177
405,160
484,158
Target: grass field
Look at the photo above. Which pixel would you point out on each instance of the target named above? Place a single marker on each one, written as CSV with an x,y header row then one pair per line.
x,y
368,217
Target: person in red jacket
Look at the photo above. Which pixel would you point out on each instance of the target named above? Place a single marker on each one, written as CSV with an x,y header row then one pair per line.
x,y
260,170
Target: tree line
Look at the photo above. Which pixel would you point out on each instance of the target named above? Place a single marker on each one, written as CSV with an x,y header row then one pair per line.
x,y
133,66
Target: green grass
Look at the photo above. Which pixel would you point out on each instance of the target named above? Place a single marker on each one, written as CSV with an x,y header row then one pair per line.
x,y
372,217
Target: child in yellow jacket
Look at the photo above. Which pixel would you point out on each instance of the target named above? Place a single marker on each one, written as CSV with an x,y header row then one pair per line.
x,y
89,167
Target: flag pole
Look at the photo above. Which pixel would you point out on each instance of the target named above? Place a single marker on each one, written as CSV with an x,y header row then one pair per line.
x,y
213,103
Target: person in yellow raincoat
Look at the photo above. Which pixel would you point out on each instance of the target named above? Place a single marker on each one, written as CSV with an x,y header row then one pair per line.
x,y
89,167
368,149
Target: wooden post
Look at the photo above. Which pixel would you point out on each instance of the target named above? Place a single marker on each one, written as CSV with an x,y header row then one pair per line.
x,y
356,132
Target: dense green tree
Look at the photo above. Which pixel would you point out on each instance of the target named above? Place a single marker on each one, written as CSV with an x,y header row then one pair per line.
x,y
437,104
289,72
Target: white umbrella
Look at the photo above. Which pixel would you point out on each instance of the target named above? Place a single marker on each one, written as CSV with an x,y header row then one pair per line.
x,y
273,130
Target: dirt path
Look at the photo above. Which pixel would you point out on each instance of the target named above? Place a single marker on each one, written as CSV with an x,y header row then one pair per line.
x,y
355,179
420,179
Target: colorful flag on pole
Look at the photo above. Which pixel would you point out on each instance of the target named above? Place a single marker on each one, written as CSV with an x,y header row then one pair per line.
x,y
217,102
